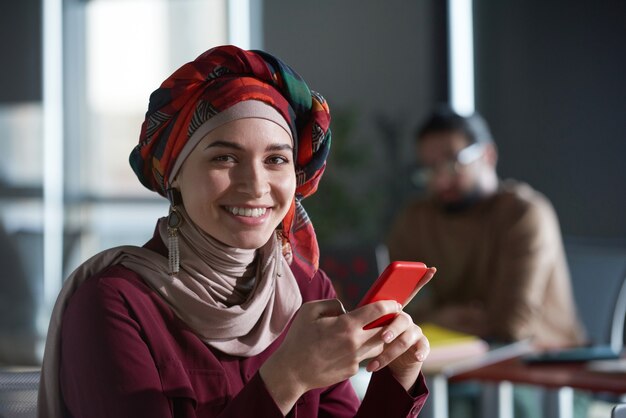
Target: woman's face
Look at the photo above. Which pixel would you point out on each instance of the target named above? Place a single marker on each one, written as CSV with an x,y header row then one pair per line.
x,y
239,181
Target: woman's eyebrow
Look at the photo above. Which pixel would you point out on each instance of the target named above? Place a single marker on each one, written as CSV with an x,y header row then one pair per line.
x,y
279,147
236,146
224,144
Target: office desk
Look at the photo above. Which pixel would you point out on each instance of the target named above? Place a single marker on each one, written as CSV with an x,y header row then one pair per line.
x,y
561,378
438,373
549,375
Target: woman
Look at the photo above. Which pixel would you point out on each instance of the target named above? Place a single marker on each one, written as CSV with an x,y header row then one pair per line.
x,y
224,312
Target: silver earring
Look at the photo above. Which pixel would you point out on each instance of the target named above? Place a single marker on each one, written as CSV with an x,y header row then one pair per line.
x,y
174,220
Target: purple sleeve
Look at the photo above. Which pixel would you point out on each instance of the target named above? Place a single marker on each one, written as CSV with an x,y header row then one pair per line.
x,y
253,400
106,368
385,397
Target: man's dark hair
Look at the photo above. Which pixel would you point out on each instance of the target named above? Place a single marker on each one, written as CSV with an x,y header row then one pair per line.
x,y
444,119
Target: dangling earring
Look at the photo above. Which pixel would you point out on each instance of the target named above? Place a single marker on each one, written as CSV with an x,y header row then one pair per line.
x,y
285,246
174,220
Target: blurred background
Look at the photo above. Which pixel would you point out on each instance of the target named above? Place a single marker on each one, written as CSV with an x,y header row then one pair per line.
x,y
76,76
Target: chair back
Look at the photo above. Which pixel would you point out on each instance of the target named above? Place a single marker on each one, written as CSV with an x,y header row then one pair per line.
x,y
618,324
597,269
18,392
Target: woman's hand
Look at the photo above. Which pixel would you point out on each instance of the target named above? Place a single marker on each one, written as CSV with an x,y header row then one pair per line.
x,y
322,347
405,350
325,345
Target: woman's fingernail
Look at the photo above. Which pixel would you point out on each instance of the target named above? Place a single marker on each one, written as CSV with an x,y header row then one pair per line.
x,y
420,357
399,306
342,307
387,336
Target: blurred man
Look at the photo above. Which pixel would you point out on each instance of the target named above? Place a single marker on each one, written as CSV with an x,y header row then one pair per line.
x,y
501,268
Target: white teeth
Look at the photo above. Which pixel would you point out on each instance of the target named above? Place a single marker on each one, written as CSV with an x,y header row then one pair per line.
x,y
248,212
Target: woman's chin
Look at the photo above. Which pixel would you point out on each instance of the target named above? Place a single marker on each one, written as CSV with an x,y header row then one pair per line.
x,y
248,241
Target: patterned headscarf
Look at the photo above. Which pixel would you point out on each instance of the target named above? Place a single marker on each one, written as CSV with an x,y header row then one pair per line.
x,y
215,81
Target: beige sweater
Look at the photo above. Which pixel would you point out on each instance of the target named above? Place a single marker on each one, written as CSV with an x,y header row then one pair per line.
x,y
505,254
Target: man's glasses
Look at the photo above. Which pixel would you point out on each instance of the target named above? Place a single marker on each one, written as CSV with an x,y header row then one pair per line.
x,y
452,167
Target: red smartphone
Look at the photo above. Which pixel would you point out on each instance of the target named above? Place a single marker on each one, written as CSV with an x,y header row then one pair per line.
x,y
400,282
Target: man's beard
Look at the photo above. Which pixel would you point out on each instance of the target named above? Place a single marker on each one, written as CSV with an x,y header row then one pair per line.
x,y
468,200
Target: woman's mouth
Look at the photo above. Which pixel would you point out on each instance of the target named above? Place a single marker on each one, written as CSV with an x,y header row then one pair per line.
x,y
247,212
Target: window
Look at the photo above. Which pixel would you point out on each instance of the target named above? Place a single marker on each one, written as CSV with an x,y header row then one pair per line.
x,y
66,187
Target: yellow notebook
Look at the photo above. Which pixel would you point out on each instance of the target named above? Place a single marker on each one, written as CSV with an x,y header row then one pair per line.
x,y
448,347
438,336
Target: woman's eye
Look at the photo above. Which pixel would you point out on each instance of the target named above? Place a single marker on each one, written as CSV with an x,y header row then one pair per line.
x,y
224,158
277,159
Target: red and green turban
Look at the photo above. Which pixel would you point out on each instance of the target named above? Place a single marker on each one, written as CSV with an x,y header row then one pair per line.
x,y
216,80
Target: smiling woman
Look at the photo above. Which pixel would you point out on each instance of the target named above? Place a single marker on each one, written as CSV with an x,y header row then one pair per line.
x,y
224,312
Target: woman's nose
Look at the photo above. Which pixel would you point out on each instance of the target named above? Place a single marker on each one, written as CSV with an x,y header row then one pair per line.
x,y
253,180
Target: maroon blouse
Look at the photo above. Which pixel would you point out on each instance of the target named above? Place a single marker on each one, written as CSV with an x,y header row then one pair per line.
x,y
124,353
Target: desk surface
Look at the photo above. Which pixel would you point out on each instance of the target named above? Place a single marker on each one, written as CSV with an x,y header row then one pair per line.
x,y
551,375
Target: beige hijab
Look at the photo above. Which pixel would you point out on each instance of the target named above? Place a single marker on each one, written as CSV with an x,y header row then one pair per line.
x,y
237,301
